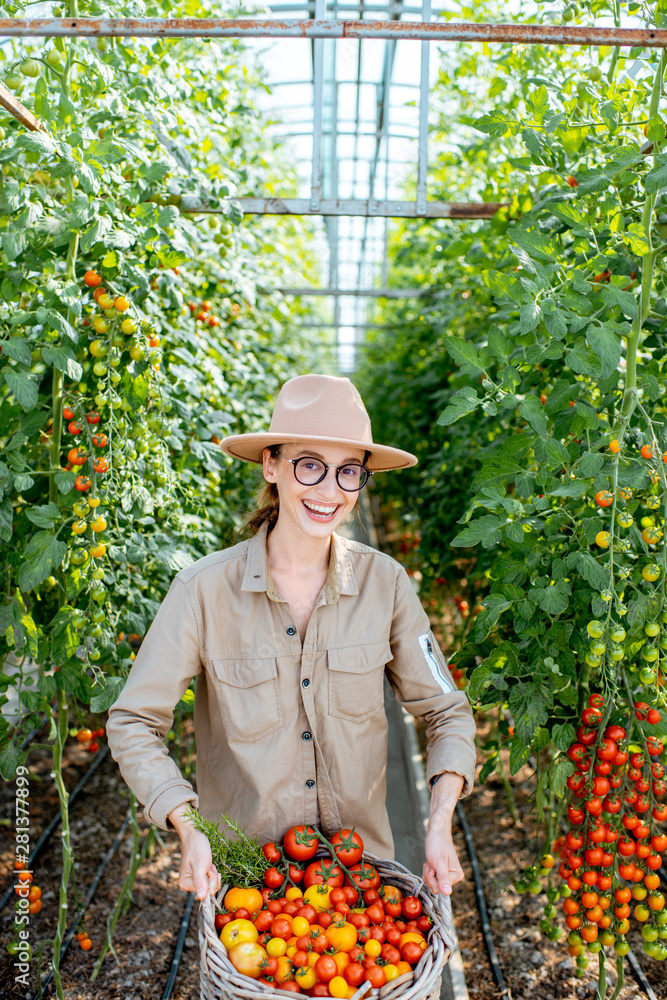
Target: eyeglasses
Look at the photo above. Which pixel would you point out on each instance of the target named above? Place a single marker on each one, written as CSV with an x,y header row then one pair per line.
x,y
311,471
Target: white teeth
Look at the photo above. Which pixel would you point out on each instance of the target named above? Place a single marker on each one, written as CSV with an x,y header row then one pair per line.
x,y
319,510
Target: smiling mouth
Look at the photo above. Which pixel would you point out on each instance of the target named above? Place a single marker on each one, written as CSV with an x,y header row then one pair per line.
x,y
320,511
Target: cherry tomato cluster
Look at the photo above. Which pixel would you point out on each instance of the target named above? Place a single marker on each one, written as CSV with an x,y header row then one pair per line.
x,y
615,806
202,313
88,737
329,938
28,904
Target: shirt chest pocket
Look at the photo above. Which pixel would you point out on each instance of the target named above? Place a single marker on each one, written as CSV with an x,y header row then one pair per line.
x,y
356,680
249,696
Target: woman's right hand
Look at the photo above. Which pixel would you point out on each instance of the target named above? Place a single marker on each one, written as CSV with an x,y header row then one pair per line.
x,y
198,873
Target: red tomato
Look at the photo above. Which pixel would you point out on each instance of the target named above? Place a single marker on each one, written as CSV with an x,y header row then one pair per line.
x,y
411,952
424,924
263,920
271,853
412,907
337,896
275,907
296,874
325,968
320,990
365,876
221,919
324,919
300,843
290,986
377,933
375,913
358,920
241,913
273,879
354,974
349,847
390,954
281,928
351,895
375,976
308,912
342,908
323,872
392,909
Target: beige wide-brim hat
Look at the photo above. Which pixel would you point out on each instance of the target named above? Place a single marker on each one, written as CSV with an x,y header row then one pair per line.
x,y
319,410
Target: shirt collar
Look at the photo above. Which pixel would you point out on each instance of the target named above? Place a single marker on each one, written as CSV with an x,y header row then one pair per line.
x,y
340,578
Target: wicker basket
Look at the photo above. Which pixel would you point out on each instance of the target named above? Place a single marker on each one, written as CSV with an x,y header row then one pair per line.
x,y
219,980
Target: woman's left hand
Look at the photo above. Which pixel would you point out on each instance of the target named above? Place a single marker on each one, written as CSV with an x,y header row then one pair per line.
x,y
442,869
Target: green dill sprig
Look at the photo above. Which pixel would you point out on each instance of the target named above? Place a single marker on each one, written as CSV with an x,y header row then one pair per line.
x,y
240,861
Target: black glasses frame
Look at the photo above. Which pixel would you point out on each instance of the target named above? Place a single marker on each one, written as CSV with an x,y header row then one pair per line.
x,y
311,458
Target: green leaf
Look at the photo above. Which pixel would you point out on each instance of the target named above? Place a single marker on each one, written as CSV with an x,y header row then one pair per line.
x,y
23,387
37,142
465,354
532,410
64,636
583,360
498,345
534,244
63,359
529,704
656,179
613,296
18,350
6,519
529,317
635,237
496,124
559,772
105,698
503,285
607,347
42,555
553,599
519,754
95,233
563,735
491,671
592,572
484,529
590,464
557,453
65,481
461,403
44,516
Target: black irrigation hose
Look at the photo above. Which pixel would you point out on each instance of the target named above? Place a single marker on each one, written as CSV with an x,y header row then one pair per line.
x,y
178,950
481,904
638,973
89,895
47,833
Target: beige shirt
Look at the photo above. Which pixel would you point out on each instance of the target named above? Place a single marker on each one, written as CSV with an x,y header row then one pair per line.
x,y
284,730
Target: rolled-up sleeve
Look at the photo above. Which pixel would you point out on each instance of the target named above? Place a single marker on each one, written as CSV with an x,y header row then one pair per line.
x,y
140,719
422,683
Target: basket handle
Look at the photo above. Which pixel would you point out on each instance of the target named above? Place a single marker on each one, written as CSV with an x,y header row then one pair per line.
x,y
445,903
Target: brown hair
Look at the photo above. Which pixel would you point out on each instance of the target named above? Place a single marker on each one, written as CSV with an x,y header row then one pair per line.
x,y
268,505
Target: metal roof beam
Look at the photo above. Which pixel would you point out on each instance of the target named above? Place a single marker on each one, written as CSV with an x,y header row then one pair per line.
x,y
368,208
204,27
373,293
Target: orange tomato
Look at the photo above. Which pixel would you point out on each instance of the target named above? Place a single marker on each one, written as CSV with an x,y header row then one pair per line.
x,y
342,938
342,960
413,936
247,899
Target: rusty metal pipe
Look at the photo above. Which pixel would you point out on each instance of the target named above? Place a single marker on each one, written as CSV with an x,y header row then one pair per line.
x,y
187,27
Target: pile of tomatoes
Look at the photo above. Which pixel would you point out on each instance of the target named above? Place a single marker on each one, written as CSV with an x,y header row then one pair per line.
x,y
328,926
616,802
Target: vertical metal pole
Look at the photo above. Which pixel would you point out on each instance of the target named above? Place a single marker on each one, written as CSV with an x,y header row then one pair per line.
x,y
422,167
318,93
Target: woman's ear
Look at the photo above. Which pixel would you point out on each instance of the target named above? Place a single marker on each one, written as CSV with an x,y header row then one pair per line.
x,y
269,465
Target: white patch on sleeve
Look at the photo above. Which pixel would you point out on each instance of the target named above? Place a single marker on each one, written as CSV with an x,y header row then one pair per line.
x,y
433,665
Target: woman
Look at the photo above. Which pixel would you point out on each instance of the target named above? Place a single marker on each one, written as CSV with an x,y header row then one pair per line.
x,y
289,635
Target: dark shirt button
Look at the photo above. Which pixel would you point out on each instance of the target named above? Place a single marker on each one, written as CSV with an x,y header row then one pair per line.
x,y
290,630
310,783
305,682
306,736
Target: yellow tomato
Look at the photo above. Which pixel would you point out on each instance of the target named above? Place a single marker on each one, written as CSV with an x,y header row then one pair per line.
x,y
93,501
238,932
97,551
248,959
128,327
603,539
342,938
105,301
318,896
276,947
312,958
293,893
248,899
99,524
79,527
291,950
342,960
390,971
305,977
373,947
121,303
300,926
338,987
